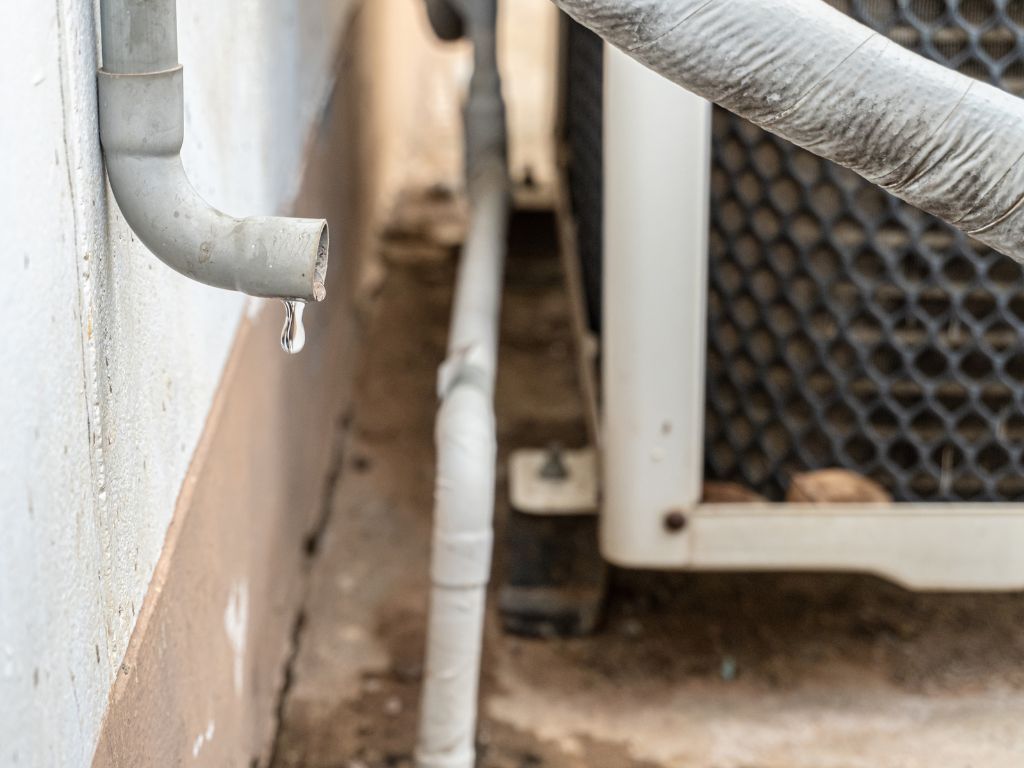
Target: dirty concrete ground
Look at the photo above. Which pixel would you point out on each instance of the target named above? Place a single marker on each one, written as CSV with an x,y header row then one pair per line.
x,y
694,671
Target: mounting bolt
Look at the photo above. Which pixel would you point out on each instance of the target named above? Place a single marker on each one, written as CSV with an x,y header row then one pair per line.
x,y
554,467
674,521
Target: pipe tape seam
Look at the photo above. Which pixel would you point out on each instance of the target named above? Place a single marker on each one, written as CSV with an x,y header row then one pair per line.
x,y
463,367
462,559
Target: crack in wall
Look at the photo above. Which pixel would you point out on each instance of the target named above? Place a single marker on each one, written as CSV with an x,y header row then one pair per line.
x,y
311,550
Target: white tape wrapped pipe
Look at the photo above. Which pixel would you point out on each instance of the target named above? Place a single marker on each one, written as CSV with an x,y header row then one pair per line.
x,y
465,434
464,486
943,142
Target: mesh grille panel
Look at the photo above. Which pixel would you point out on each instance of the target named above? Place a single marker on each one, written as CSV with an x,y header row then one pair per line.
x,y
584,137
849,329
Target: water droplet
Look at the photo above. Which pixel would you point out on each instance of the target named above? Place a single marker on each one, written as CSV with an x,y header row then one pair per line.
x,y
293,335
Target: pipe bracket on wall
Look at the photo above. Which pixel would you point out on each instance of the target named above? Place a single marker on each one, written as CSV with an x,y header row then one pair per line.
x,y
141,114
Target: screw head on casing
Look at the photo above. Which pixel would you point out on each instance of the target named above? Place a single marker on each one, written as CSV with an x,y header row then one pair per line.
x,y
674,521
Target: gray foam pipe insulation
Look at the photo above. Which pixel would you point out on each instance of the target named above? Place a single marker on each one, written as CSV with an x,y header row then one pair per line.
x,y
945,143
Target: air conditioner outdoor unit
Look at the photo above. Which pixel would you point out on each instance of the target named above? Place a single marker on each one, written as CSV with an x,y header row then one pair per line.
x,y
755,312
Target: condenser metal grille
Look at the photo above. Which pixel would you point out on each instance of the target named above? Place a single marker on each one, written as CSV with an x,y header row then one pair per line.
x,y
584,89
846,328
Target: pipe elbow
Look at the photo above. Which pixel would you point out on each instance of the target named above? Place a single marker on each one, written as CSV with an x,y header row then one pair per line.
x,y
141,130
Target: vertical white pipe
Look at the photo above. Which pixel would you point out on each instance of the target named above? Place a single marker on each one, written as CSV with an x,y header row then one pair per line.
x,y
464,490
465,431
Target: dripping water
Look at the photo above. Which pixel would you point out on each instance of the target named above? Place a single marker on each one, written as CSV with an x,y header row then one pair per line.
x,y
293,335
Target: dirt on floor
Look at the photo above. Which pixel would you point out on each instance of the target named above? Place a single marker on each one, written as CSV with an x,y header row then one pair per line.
x,y
687,670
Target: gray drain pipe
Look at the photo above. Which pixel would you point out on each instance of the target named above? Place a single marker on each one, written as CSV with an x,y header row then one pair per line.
x,y
465,430
141,130
943,142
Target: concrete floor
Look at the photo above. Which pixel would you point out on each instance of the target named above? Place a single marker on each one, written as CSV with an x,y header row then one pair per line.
x,y
694,671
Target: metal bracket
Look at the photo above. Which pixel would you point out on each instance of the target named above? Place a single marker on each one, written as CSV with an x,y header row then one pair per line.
x,y
554,481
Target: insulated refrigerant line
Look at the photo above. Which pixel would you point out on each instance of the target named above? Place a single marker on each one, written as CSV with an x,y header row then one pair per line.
x,y
945,143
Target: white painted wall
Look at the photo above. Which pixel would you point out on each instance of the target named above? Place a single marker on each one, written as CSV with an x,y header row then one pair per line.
x,y
109,360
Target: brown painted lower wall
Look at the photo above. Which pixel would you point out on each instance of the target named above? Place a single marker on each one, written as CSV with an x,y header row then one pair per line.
x,y
202,674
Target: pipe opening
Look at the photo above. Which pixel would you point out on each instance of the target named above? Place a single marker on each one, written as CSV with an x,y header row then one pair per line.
x,y
320,267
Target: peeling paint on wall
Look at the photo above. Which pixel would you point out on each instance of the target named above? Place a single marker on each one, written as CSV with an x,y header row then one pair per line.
x,y
236,625
203,738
